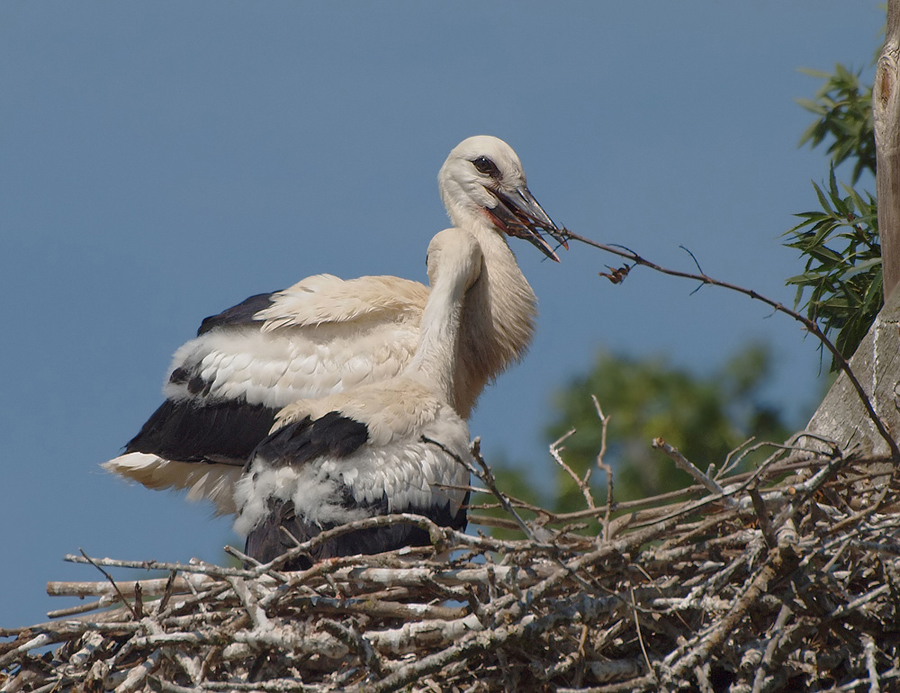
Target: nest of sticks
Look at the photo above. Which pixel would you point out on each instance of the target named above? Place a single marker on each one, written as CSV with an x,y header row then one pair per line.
x,y
783,578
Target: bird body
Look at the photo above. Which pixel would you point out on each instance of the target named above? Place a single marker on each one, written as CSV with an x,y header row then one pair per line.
x,y
386,447
325,335
364,457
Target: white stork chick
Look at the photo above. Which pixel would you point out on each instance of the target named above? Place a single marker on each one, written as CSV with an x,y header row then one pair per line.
x,y
366,451
326,335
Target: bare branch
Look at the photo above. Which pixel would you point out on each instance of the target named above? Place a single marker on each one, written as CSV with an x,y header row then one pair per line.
x,y
555,452
808,324
685,465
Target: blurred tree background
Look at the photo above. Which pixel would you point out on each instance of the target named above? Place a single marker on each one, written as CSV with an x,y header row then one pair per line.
x,y
708,416
704,416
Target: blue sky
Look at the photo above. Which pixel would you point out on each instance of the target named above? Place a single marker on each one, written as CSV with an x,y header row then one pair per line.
x,y
161,161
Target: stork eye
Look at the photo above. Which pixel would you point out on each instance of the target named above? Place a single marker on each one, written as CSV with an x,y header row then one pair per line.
x,y
484,165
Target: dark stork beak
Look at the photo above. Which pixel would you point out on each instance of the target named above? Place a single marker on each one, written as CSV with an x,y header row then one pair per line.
x,y
520,215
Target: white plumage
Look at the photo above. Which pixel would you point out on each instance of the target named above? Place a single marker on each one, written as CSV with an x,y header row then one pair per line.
x,y
388,447
326,335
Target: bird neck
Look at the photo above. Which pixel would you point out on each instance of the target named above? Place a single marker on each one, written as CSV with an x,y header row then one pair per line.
x,y
434,363
497,322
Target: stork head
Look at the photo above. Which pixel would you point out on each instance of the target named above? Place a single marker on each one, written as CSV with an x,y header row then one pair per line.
x,y
454,258
482,181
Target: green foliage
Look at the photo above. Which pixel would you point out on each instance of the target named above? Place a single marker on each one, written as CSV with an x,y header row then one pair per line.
x,y
841,286
843,264
704,417
844,110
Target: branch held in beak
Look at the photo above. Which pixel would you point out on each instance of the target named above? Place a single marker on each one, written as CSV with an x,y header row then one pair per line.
x,y
520,215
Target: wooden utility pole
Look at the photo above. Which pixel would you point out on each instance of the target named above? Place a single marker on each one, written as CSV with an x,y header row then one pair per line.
x,y
886,111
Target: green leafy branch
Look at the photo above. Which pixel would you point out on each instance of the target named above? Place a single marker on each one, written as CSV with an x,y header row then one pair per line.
x,y
844,110
843,264
841,282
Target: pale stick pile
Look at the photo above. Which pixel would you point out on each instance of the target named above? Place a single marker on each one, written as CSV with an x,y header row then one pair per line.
x,y
786,578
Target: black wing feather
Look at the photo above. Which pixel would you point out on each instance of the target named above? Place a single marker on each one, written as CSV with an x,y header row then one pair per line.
x,y
224,431
299,442
241,314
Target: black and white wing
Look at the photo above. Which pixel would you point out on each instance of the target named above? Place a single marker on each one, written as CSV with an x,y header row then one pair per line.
x,y
225,387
